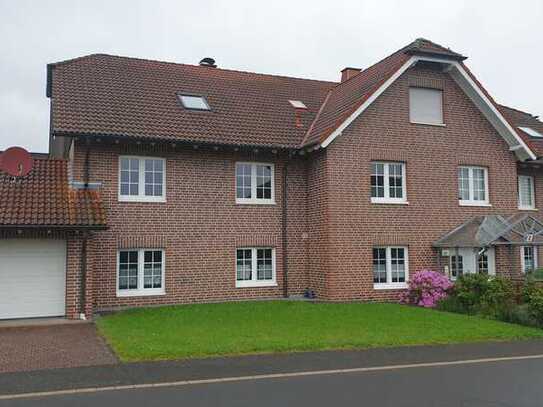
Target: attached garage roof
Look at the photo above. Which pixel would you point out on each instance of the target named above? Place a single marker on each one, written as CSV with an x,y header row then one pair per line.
x,y
44,199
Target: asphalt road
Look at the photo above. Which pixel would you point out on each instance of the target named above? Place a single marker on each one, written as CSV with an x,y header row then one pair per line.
x,y
517,383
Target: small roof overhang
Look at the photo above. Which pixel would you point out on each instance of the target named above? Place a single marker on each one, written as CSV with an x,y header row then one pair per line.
x,y
493,230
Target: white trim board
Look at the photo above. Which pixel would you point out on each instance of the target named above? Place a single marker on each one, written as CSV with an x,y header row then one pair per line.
x,y
466,83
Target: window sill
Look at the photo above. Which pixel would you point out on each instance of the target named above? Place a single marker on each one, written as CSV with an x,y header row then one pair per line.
x,y
388,201
142,199
467,203
140,293
528,209
254,202
252,284
390,286
430,124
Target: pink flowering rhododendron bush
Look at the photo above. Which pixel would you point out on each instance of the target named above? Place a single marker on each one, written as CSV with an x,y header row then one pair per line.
x,y
426,288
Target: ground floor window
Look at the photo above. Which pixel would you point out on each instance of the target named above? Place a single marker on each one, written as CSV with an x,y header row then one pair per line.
x,y
457,266
528,258
390,267
255,267
482,262
140,272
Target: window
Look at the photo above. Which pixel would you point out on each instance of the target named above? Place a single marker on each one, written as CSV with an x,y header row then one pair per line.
x,y
482,263
531,132
255,183
473,186
194,102
142,179
255,267
526,196
140,272
298,104
388,182
528,258
426,106
457,266
390,267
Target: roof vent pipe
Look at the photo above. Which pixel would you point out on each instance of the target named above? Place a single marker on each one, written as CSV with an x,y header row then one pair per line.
x,y
209,62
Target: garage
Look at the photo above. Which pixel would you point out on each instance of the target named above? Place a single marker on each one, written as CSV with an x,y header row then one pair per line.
x,y
32,278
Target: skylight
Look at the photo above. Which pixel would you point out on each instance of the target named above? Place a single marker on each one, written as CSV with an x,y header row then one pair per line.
x,y
298,104
194,102
531,132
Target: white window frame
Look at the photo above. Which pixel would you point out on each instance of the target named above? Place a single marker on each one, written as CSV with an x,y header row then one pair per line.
x,y
471,201
254,260
141,197
386,172
411,120
254,200
532,204
522,261
389,285
140,291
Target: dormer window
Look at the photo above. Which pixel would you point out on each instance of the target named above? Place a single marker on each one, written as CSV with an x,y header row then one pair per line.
x,y
193,102
426,106
531,132
297,104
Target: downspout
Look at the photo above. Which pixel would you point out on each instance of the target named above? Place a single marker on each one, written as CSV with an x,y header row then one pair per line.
x,y
284,220
83,285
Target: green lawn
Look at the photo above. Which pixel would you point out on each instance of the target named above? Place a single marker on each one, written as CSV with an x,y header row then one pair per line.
x,y
188,331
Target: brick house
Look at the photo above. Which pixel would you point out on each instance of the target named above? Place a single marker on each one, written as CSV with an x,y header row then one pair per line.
x,y
214,185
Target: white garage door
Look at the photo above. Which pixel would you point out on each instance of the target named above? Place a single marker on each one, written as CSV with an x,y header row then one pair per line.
x,y
32,278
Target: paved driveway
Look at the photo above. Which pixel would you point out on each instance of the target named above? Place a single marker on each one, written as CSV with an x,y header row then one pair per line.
x,y
55,346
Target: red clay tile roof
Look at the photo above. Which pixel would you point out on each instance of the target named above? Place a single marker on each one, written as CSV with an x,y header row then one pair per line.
x,y
44,198
111,95
344,98
518,118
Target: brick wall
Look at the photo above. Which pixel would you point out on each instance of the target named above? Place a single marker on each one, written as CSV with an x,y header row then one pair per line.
x,y
432,155
199,226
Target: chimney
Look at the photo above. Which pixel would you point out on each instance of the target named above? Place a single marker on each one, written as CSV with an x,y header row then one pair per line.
x,y
210,62
347,73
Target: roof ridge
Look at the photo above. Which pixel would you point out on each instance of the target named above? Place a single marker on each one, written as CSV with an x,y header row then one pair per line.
x,y
187,65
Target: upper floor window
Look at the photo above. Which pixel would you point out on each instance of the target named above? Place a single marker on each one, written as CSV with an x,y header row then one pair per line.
x,y
255,183
142,179
390,267
426,106
255,267
194,102
388,182
526,196
473,186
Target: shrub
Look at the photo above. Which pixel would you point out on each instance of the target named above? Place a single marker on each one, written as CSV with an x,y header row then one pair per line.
x,y
519,314
451,304
535,304
498,297
426,288
469,289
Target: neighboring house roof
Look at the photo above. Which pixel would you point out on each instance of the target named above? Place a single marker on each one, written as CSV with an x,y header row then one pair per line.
x,y
111,95
44,198
519,119
482,231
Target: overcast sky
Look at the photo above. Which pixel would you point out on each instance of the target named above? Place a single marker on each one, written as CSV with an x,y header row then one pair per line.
x,y
312,39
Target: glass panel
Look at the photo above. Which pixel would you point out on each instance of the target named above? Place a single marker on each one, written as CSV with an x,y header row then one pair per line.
x,y
479,192
379,265
526,192
463,184
397,264
244,264
426,105
243,181
264,264
152,269
377,180
395,180
483,263
129,176
263,182
529,261
457,266
154,177
194,102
